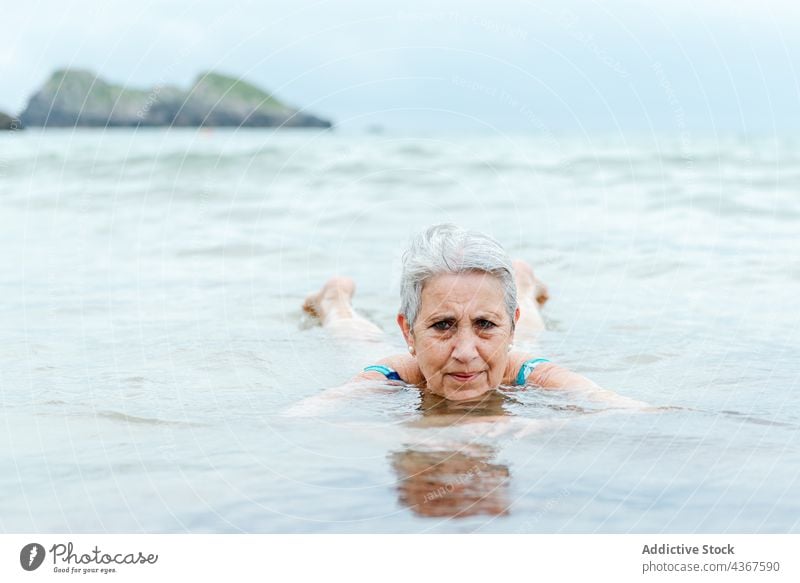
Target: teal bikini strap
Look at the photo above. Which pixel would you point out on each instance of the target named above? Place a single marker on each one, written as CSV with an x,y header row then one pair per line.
x,y
527,368
385,371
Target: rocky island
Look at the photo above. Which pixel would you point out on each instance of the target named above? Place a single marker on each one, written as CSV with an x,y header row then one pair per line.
x,y
78,98
8,123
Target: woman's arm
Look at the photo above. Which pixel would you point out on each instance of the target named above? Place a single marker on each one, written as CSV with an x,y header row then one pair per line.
x,y
552,376
361,385
331,399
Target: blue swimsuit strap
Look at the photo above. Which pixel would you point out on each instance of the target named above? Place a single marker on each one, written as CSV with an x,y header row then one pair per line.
x,y
385,371
527,368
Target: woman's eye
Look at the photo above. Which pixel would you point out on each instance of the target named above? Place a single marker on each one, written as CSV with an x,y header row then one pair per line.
x,y
485,324
443,325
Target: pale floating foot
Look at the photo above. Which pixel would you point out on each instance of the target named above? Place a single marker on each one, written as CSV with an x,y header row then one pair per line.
x,y
528,284
337,290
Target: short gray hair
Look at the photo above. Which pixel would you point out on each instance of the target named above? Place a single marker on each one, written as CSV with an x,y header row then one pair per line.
x,y
447,248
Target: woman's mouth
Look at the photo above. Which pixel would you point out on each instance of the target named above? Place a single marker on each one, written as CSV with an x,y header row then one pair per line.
x,y
464,377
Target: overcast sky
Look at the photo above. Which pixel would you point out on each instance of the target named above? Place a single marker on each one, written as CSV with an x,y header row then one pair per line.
x,y
552,64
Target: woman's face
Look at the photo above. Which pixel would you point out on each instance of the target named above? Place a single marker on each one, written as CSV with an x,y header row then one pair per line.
x,y
462,334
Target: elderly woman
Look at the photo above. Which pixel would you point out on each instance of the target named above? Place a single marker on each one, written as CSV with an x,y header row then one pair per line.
x,y
462,301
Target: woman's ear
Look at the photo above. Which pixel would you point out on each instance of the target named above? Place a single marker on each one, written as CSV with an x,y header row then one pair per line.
x,y
406,329
514,327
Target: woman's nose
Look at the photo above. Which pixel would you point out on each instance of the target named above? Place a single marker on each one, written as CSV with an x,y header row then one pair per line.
x,y
466,345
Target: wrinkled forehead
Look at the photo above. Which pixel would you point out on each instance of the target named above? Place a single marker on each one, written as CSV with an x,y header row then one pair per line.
x,y
472,291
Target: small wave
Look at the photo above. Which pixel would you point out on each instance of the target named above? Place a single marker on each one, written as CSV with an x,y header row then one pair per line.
x,y
135,380
415,151
117,416
757,420
232,250
55,402
642,358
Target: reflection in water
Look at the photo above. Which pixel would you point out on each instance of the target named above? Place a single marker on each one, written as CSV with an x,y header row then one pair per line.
x,y
451,483
458,480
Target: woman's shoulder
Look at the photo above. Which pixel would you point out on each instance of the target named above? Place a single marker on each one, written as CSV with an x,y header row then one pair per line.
x,y
405,365
520,366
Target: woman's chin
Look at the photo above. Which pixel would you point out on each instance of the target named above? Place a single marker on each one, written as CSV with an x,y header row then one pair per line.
x,y
462,393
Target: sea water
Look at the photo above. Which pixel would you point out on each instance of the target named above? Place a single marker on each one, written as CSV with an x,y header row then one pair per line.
x,y
152,339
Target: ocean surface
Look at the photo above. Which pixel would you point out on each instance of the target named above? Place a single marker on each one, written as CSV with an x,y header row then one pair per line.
x,y
152,339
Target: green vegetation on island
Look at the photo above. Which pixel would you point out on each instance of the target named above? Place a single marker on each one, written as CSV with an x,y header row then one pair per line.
x,y
74,97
